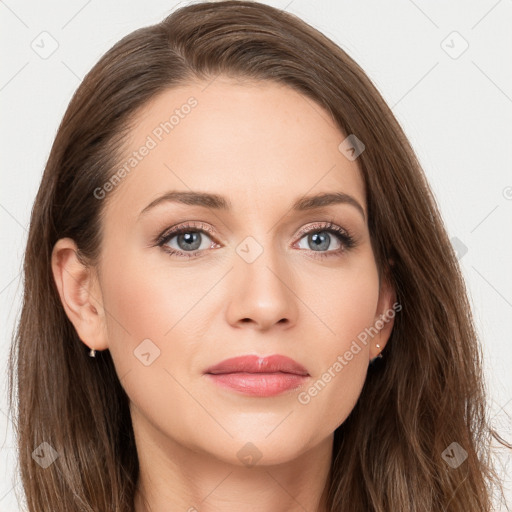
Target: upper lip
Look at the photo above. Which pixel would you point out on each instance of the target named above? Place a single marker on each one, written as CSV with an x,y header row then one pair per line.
x,y
258,364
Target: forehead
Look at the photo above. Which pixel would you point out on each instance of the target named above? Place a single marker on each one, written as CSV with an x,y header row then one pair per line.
x,y
261,144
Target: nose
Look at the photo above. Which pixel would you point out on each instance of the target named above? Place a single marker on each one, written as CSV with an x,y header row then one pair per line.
x,y
262,292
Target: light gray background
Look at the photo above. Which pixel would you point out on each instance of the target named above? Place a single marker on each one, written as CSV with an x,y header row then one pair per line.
x,y
456,110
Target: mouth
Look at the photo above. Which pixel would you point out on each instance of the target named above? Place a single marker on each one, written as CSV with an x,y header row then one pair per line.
x,y
258,376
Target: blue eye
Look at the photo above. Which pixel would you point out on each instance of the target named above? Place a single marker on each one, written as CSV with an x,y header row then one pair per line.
x,y
190,240
188,237
321,239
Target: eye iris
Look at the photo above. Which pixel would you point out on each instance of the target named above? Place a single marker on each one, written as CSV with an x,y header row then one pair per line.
x,y
189,238
320,241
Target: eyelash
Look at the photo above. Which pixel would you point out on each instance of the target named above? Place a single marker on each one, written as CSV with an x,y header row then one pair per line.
x,y
344,236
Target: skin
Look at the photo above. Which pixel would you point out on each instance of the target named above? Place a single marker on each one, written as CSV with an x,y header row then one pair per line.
x,y
262,146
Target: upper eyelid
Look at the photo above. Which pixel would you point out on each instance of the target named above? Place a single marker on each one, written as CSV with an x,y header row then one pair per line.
x,y
203,227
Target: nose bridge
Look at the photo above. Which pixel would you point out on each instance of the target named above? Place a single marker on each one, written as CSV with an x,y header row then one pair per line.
x,y
262,290
260,256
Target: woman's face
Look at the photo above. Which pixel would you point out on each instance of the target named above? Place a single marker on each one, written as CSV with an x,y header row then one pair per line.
x,y
244,278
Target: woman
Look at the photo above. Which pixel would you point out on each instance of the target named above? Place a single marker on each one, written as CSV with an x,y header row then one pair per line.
x,y
234,226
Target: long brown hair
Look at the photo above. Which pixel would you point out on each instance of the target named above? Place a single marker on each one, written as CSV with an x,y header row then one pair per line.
x,y
425,394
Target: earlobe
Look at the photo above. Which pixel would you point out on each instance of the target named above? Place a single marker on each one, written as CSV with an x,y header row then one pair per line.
x,y
385,314
79,293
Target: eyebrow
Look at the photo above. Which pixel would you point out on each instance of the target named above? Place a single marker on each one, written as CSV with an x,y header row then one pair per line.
x,y
218,202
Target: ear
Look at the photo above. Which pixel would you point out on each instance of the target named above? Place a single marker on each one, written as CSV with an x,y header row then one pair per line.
x,y
80,294
387,308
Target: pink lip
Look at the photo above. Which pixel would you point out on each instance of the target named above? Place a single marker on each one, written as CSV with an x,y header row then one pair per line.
x,y
259,376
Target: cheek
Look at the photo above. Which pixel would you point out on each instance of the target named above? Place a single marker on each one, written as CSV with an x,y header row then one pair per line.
x,y
348,306
147,344
137,301
346,302
144,297
139,305
154,318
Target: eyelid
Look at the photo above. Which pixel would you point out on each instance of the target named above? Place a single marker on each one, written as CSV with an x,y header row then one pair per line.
x,y
344,236
199,225
322,225
174,230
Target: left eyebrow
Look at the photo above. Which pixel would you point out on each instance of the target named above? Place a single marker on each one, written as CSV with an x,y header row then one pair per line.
x,y
218,202
327,199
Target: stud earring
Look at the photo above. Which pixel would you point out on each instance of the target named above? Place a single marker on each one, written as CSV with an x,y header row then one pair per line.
x,y
380,356
92,353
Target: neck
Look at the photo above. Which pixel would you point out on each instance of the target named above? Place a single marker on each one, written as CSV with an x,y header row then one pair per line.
x,y
179,478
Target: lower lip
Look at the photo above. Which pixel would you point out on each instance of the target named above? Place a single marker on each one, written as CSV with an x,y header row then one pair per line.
x,y
259,384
